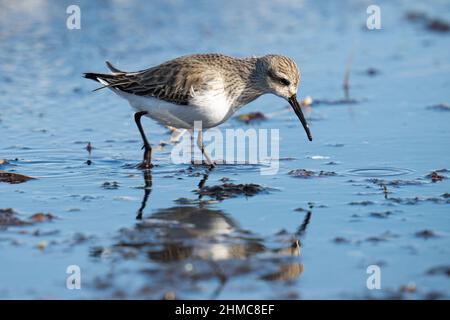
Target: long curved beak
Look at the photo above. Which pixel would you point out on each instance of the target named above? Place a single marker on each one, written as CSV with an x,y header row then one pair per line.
x,y
298,111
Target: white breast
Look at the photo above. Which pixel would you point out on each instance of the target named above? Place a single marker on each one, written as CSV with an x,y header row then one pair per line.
x,y
211,107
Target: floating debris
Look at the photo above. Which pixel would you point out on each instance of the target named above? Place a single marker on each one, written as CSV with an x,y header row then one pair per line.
x,y
341,240
8,217
169,295
372,72
231,190
426,234
394,183
41,245
252,116
383,237
302,173
14,178
361,203
327,174
42,217
163,143
39,233
439,270
416,16
382,215
417,200
438,25
110,185
440,107
431,24
409,288
307,101
435,176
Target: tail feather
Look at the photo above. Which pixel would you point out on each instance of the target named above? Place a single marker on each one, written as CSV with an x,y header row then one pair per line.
x,y
104,79
108,80
98,76
113,69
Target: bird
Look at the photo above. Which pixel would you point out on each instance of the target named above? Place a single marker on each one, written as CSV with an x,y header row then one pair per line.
x,y
207,87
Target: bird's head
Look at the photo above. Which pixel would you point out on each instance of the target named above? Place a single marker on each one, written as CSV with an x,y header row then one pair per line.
x,y
281,77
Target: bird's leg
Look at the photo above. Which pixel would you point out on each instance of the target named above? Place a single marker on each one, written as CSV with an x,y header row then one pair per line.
x,y
202,148
191,132
147,161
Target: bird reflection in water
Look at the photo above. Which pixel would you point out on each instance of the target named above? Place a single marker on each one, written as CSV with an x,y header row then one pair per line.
x,y
201,243
147,190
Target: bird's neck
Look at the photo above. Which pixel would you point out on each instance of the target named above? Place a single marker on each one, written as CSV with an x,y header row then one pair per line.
x,y
245,83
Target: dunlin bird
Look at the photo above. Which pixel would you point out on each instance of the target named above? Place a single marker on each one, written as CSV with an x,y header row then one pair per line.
x,y
202,87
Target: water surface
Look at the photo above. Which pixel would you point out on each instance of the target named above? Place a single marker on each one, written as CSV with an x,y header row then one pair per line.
x,y
303,238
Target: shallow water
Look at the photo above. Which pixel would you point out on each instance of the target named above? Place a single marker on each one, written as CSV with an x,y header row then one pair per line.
x,y
247,246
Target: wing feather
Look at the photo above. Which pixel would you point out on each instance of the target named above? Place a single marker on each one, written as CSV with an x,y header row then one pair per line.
x,y
175,81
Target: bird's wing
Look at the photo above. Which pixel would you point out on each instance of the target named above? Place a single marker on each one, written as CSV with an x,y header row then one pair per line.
x,y
175,81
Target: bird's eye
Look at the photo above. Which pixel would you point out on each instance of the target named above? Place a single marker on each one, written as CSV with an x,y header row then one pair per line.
x,y
285,82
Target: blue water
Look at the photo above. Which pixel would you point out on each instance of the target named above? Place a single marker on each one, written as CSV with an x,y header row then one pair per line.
x,y
239,247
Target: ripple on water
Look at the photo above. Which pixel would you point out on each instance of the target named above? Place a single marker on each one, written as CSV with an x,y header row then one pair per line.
x,y
380,172
66,165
